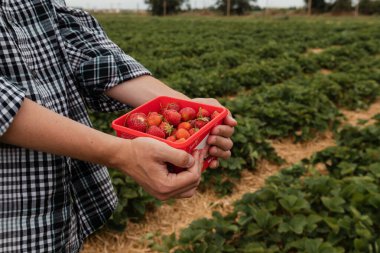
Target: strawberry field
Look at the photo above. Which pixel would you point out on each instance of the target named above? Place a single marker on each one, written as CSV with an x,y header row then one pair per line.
x,y
291,83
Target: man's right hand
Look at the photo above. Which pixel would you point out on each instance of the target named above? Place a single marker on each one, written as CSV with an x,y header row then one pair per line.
x,y
145,160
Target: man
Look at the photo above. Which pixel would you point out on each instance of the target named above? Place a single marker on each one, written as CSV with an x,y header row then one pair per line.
x,y
54,62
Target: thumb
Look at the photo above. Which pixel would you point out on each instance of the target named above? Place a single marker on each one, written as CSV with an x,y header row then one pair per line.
x,y
177,157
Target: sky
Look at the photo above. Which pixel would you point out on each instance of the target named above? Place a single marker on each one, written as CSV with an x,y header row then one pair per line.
x,y
139,4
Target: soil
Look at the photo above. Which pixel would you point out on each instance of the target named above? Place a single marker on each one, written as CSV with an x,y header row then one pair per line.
x,y
172,217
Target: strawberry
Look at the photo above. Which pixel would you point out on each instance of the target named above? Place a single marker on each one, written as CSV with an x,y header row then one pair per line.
x,y
172,116
184,125
182,133
203,113
156,131
137,121
214,114
171,138
169,106
193,131
187,113
154,119
174,132
166,127
199,123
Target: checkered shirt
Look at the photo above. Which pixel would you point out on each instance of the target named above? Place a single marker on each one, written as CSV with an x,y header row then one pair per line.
x,y
60,58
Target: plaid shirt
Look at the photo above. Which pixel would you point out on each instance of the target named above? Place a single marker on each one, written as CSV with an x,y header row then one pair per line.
x,y
60,58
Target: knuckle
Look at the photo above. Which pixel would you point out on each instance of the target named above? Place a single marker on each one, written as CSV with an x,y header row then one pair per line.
x,y
227,155
196,179
184,158
230,144
214,151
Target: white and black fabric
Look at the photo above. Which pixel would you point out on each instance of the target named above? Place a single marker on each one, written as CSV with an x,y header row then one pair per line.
x,y
60,58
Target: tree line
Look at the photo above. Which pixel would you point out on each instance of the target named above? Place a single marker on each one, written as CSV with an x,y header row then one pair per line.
x,y
366,7
242,7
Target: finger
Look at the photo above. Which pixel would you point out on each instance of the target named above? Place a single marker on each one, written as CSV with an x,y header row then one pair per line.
x,y
214,164
223,130
177,191
187,179
204,151
174,156
222,143
188,194
229,120
217,152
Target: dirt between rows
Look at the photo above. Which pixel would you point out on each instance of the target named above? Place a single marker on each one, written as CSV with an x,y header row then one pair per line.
x,y
173,217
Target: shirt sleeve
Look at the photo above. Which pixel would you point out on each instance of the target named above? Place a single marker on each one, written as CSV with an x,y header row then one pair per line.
x,y
11,98
97,62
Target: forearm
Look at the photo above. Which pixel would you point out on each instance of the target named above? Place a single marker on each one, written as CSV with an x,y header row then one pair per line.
x,y
142,89
36,127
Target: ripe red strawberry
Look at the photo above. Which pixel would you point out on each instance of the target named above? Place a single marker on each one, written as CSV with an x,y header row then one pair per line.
x,y
184,125
169,106
174,132
154,119
187,113
171,138
137,121
166,127
172,116
193,131
199,123
182,133
214,114
156,131
203,113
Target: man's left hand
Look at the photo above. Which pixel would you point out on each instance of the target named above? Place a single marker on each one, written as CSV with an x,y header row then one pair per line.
x,y
220,136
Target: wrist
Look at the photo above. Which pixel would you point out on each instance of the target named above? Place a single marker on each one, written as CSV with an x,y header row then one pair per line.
x,y
119,153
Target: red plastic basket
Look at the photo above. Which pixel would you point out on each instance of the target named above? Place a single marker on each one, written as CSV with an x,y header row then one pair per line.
x,y
196,141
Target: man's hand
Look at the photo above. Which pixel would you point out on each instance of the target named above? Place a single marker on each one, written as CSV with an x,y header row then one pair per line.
x,y
145,160
220,136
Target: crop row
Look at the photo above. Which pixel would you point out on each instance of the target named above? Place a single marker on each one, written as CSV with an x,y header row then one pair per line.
x,y
263,71
332,207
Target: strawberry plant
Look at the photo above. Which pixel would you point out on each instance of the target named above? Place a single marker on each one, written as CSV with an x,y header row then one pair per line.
x,y
288,110
133,201
300,209
271,68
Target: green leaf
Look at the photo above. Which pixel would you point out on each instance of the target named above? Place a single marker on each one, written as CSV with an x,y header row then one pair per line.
x,y
334,204
298,223
293,203
332,223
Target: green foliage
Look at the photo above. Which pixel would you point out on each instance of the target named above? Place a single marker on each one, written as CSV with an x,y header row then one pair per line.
x,y
370,7
287,110
161,7
264,73
318,6
133,201
342,6
248,143
238,7
302,210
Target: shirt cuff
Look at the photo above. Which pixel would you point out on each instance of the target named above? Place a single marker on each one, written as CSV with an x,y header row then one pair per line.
x,y
11,98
